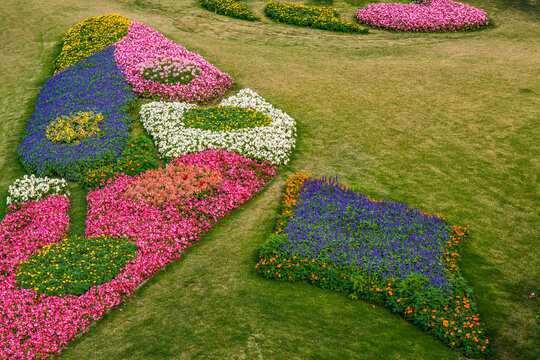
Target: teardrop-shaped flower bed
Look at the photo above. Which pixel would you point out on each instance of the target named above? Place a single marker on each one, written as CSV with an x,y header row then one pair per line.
x,y
381,251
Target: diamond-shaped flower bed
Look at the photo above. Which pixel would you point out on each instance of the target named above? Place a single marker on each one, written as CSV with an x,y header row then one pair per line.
x,y
377,250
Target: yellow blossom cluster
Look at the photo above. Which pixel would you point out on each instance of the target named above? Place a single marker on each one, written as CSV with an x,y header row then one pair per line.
x,y
74,127
75,264
89,36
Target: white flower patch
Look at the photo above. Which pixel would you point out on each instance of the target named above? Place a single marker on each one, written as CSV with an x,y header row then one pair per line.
x,y
273,142
34,188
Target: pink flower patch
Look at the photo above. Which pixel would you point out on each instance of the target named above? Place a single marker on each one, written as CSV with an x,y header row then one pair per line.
x,y
439,15
36,326
143,46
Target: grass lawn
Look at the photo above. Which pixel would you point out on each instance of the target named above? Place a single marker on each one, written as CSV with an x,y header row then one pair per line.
x,y
447,122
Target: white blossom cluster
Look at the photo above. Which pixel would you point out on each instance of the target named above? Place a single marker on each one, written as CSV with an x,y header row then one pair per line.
x,y
34,188
273,142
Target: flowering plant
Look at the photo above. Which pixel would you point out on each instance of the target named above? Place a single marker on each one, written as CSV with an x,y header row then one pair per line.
x,y
73,127
82,40
381,251
230,8
35,324
157,187
169,71
136,158
225,118
318,17
144,47
423,16
74,265
274,142
95,83
30,187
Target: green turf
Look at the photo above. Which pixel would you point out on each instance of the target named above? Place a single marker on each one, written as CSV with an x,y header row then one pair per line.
x,y
446,122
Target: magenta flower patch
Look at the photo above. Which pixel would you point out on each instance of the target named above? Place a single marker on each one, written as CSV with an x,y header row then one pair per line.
x,y
35,325
438,15
143,47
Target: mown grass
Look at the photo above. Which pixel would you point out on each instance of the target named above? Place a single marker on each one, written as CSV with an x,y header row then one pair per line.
x,y
447,122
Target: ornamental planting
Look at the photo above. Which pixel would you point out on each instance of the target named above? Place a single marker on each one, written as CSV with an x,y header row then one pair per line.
x,y
318,17
53,288
427,16
175,135
381,251
92,86
31,187
144,49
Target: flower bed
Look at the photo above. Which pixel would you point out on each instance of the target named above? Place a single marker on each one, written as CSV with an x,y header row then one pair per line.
x,y
36,324
273,142
169,71
377,250
139,50
437,15
318,17
34,188
81,40
230,8
74,127
93,85
26,317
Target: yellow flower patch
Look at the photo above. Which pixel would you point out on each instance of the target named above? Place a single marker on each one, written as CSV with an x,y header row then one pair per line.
x,y
225,118
73,128
90,36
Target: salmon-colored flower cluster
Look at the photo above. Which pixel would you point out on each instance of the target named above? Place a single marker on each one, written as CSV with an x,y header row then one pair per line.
x,y
157,187
143,46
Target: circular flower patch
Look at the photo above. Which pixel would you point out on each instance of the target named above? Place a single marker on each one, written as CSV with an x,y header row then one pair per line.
x,y
437,15
74,127
74,265
240,124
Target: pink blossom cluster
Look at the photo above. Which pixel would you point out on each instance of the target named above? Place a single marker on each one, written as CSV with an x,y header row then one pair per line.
x,y
35,326
31,324
143,46
437,15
